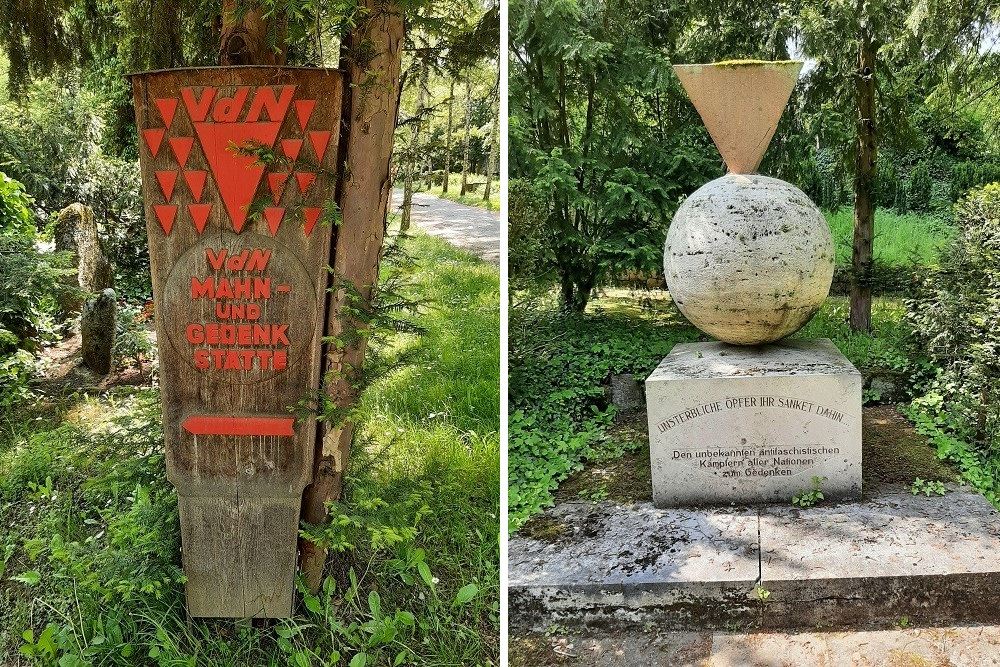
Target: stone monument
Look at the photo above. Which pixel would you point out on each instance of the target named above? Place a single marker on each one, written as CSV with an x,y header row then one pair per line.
x,y
749,260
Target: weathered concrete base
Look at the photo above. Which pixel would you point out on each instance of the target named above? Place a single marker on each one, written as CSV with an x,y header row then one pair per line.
x,y
731,424
860,565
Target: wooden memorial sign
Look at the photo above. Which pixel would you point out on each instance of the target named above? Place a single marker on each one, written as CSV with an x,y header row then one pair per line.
x,y
238,172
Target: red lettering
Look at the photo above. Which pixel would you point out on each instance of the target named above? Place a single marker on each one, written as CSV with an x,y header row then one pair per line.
x,y
276,107
201,359
280,360
252,311
195,334
228,109
278,336
258,260
198,109
216,260
202,289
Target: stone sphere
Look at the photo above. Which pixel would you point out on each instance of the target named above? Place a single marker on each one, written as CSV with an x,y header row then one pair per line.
x,y
748,259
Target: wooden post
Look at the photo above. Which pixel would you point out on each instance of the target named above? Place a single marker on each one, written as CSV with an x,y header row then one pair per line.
x,y
370,115
864,181
238,253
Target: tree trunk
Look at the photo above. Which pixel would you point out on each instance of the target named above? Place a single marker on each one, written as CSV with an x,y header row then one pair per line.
x,y
447,139
468,132
253,40
373,49
491,162
413,151
864,181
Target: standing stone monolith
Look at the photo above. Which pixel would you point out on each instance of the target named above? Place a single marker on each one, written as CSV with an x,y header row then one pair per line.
x,y
76,233
97,328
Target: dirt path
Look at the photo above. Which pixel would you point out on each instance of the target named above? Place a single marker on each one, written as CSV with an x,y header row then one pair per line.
x,y
467,227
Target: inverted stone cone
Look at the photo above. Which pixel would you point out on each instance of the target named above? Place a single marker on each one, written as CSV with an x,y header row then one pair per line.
x,y
740,103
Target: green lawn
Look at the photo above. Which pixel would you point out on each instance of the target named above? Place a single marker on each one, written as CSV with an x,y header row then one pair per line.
x,y
900,240
90,545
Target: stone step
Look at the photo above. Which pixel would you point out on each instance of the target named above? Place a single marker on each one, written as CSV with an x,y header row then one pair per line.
x,y
875,563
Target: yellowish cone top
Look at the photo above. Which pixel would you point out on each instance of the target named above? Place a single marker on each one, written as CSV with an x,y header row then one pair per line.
x,y
740,102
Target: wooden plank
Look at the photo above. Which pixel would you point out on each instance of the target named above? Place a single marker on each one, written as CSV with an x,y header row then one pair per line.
x,y
238,251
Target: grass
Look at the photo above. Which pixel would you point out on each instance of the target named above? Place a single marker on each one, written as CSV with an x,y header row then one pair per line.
x,y
90,545
471,198
900,240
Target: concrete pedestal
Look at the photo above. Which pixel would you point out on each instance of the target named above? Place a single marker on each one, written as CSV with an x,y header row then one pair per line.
x,y
734,424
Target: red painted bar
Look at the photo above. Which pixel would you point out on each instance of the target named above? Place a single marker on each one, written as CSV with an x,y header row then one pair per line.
x,y
221,425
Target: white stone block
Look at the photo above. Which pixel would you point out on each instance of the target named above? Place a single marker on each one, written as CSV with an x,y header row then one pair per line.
x,y
753,424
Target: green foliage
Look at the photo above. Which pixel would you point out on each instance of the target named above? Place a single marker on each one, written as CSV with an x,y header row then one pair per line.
x,y
559,412
132,343
810,497
918,189
529,246
93,562
30,283
956,318
927,487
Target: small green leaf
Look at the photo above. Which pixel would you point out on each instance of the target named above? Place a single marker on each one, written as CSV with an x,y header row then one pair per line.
x,y
465,594
425,573
359,660
30,578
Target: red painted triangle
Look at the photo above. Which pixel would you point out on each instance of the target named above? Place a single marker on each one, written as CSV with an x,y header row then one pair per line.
x,y
153,137
291,148
305,179
236,175
199,215
182,148
166,214
311,215
167,180
196,182
167,108
276,181
304,109
319,140
273,217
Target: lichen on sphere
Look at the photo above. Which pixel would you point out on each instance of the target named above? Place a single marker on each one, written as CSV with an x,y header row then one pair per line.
x,y
748,259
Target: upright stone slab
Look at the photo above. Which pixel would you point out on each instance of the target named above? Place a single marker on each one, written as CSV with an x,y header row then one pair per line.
x,y
238,167
735,424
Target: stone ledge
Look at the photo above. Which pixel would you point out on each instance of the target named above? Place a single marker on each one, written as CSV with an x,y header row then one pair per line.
x,y
849,565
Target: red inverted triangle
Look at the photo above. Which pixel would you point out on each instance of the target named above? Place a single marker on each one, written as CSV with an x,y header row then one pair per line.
x,y
182,148
166,214
153,137
196,182
305,179
167,180
276,181
319,140
167,108
236,175
304,109
291,148
199,215
311,215
273,217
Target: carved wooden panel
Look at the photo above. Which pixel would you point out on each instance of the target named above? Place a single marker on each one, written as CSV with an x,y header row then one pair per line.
x,y
238,169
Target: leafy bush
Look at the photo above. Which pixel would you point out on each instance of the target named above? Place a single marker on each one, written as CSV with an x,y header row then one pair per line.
x,y
53,144
132,342
29,280
529,252
559,412
918,196
956,318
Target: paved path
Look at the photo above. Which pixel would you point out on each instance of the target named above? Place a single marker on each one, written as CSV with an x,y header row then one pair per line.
x,y
974,646
474,229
